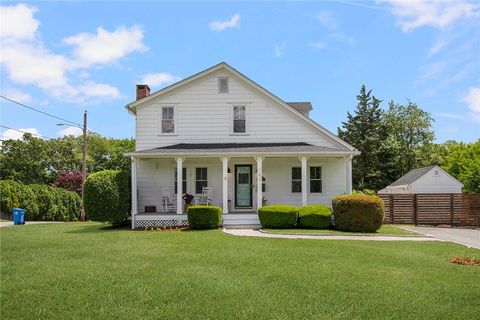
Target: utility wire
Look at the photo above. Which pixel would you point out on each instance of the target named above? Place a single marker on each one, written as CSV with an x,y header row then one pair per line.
x,y
42,112
33,134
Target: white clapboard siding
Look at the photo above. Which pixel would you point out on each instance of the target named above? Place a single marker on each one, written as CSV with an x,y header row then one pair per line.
x,y
204,115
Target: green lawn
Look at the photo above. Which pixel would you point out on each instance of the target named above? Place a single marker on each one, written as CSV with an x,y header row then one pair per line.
x,y
386,229
82,271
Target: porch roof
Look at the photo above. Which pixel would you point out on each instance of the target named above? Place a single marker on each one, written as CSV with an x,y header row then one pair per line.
x,y
280,148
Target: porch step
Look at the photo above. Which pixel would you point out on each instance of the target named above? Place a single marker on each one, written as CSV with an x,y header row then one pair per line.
x,y
244,220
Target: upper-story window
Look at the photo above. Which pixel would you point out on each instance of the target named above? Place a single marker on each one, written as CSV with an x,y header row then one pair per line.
x,y
239,119
168,120
223,85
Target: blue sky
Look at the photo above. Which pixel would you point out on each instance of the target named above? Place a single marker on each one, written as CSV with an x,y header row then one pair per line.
x,y
64,57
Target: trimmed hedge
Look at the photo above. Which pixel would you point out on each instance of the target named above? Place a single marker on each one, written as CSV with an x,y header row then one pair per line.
x,y
107,196
314,216
358,213
40,202
278,216
204,217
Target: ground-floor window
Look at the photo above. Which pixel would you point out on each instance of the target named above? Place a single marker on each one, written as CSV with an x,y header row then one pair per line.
x,y
201,179
184,180
296,179
316,179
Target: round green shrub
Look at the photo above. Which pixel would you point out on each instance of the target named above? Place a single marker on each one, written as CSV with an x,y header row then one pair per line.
x,y
204,217
358,213
107,196
278,216
314,216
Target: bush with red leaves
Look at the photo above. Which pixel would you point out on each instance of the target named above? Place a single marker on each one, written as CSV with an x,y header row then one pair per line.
x,y
465,261
70,181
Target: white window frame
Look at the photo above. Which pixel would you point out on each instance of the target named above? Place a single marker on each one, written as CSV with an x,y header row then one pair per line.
x,y
291,180
228,85
321,179
232,118
195,178
175,120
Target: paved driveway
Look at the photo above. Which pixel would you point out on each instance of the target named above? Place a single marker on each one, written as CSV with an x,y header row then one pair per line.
x,y
467,237
10,223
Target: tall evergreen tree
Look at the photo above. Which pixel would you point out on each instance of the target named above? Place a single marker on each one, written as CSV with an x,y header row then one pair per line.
x,y
363,130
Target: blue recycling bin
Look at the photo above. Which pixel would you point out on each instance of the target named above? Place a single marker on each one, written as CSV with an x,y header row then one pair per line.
x,y
18,216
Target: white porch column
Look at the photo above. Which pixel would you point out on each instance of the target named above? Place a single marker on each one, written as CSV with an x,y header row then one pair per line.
x,y
259,182
134,189
179,185
304,180
225,184
348,174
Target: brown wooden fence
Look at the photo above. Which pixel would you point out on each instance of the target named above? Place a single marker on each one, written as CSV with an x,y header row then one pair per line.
x,y
454,209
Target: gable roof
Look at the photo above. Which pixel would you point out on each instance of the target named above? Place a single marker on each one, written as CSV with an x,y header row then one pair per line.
x,y
132,107
411,176
415,174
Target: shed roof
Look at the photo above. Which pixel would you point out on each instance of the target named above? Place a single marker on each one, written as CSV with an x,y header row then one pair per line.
x,y
411,176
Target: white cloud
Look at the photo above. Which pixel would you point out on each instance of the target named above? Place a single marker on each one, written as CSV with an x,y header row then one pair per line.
x,y
26,60
18,22
232,22
70,131
438,14
472,99
17,95
105,46
158,79
280,49
318,45
326,19
17,135
341,37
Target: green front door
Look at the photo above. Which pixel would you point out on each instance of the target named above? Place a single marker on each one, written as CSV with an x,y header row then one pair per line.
x,y
243,186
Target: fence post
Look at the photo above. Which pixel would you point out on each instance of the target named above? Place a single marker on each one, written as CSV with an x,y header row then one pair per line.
x,y
451,210
392,214
415,208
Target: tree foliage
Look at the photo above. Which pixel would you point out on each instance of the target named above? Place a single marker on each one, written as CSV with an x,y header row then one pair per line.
x,y
399,139
35,160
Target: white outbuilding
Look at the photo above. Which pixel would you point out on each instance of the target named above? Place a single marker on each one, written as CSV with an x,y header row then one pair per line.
x,y
431,179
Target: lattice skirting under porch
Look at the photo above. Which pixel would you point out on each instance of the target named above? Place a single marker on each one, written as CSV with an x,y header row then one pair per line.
x,y
140,224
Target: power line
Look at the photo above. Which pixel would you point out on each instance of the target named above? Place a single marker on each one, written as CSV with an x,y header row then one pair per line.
x,y
18,130
42,112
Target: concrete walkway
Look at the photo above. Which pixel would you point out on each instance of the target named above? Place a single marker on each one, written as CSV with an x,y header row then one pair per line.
x,y
10,223
256,233
466,237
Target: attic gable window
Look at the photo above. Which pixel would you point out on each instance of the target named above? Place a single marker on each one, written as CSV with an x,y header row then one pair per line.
x,y
223,85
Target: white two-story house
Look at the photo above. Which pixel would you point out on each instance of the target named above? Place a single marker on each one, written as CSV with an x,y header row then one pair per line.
x,y
221,135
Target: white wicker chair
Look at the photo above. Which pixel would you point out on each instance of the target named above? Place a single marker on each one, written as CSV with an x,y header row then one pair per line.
x,y
169,203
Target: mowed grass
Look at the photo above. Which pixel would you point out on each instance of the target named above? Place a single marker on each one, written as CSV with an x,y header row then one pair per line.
x,y
385,230
83,271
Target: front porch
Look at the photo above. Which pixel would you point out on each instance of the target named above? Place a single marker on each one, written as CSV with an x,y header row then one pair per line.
x,y
242,180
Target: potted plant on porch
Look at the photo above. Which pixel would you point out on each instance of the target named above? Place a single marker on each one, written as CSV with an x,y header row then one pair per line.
x,y
187,197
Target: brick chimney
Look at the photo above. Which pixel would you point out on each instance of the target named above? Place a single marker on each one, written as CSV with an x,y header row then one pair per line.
x,y
143,90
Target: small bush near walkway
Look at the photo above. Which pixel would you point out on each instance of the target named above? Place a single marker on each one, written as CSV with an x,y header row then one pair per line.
x,y
358,213
278,216
314,216
204,217
107,196
41,202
